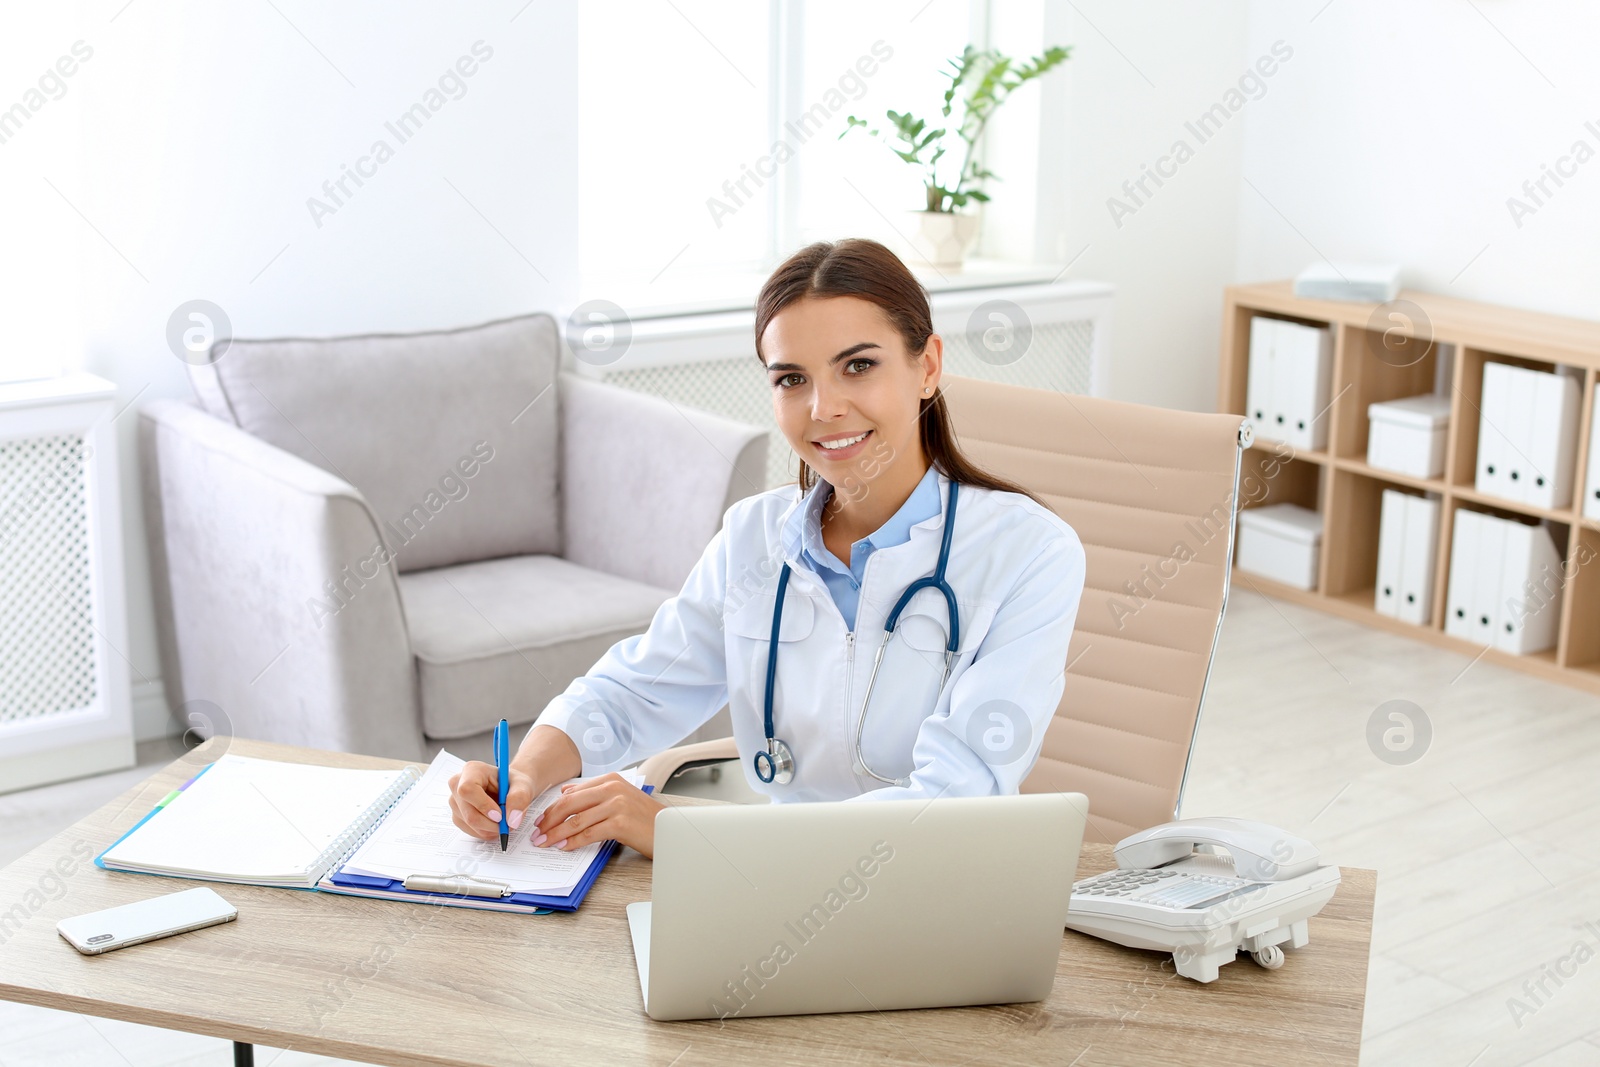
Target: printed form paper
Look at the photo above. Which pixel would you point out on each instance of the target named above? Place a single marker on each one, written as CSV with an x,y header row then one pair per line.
x,y
418,837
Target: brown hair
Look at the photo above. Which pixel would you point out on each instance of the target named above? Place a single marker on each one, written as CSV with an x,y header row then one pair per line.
x,y
866,269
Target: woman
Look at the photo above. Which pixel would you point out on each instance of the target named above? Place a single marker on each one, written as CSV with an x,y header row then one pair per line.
x,y
845,334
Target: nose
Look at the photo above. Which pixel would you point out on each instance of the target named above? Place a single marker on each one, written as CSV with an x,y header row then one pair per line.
x,y
827,402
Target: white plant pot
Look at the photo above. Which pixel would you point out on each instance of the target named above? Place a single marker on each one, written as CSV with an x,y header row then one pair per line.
x,y
941,238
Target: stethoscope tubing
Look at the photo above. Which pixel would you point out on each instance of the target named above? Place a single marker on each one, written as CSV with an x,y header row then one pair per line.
x,y
776,763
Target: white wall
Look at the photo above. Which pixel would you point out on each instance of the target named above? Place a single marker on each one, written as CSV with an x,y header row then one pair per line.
x,y
1390,132
1137,73
206,128
1405,129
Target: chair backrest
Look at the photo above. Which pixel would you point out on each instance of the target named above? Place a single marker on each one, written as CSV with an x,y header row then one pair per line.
x,y
1152,494
452,436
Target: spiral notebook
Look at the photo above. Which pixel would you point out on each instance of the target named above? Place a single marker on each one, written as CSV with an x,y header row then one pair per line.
x,y
266,822
259,822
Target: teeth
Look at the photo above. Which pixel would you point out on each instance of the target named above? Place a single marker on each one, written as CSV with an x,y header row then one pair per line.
x,y
831,445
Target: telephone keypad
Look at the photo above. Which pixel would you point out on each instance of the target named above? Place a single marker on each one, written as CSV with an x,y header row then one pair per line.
x,y
1170,889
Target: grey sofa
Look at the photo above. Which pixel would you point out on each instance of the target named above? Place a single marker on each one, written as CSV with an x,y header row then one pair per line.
x,y
384,544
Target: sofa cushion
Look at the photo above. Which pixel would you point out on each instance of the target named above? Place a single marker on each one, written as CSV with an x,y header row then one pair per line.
x,y
502,638
451,436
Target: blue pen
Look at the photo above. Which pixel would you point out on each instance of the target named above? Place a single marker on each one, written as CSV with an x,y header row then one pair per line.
x,y
502,760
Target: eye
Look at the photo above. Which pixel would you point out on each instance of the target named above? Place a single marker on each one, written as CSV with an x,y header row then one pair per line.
x,y
782,382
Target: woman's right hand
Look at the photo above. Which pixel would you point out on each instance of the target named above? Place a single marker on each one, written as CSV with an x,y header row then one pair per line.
x,y
473,804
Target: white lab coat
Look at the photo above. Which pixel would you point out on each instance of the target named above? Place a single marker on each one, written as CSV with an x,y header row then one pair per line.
x,y
1018,573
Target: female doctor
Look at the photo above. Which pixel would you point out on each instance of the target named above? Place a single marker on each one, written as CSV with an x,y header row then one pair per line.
x,y
896,628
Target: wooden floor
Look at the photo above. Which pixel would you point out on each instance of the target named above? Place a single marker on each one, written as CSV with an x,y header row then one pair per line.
x,y
1485,845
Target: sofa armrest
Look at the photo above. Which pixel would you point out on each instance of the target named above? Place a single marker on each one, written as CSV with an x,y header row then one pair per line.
x,y
276,599
645,482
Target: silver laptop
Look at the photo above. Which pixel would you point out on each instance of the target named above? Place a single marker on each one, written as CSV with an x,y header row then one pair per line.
x,y
792,909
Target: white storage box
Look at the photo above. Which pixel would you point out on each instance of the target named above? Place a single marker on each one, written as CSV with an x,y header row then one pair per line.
x,y
1281,542
1370,283
1407,436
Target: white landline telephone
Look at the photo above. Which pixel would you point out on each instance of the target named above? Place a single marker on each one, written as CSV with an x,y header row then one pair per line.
x,y
1173,893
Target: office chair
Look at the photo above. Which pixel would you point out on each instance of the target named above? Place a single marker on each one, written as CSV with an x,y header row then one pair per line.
x,y
1153,495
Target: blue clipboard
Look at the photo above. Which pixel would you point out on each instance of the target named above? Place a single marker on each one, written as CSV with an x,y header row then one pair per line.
x,y
543,903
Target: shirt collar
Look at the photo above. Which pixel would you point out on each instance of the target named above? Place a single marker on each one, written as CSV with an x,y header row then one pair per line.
x,y
801,525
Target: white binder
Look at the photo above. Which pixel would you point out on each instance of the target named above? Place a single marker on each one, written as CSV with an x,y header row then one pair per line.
x,y
1288,382
1486,578
1529,602
1258,381
1281,379
1518,428
1591,477
1391,542
1416,559
1552,435
1494,418
1459,607
1302,371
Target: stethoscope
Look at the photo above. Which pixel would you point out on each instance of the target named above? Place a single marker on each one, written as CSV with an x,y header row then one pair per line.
x,y
776,764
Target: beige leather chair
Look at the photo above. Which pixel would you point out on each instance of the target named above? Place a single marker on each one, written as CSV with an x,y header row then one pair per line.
x,y
1152,493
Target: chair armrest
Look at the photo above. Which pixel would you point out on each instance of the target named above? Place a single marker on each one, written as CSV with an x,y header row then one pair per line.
x,y
645,482
662,766
276,599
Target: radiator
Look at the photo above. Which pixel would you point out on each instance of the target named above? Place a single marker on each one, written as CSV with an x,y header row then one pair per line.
x,y
64,693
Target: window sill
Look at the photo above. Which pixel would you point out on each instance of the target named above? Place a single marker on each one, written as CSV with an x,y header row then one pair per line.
x,y
688,293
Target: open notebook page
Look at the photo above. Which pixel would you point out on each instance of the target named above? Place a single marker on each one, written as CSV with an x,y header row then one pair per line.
x,y
418,837
254,820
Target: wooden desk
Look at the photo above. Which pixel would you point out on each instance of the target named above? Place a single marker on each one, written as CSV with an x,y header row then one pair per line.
x,y
400,983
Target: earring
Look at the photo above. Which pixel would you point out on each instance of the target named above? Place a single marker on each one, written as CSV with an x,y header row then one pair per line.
x,y
928,390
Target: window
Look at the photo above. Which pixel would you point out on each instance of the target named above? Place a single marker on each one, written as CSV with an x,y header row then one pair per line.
x,y
856,185
709,132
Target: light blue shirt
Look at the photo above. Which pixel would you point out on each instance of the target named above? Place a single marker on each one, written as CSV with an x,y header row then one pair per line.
x,y
844,583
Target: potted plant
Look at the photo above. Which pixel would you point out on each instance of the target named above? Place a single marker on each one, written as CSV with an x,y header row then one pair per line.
x,y
942,232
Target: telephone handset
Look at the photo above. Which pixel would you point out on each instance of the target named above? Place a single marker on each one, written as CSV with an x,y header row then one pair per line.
x,y
1259,852
1172,891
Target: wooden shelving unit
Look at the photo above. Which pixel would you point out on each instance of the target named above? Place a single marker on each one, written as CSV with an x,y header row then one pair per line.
x,y
1338,482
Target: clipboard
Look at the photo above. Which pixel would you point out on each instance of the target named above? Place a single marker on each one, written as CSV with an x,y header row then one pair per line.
x,y
361,885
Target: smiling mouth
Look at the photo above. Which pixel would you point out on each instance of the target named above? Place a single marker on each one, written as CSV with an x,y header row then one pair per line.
x,y
843,444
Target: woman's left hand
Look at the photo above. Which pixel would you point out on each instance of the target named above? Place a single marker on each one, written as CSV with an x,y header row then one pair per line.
x,y
600,809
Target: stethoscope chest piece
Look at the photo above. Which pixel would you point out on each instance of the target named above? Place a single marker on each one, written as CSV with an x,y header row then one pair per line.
x,y
776,764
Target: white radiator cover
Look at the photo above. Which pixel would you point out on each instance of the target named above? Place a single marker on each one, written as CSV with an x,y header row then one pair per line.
x,y
707,360
65,704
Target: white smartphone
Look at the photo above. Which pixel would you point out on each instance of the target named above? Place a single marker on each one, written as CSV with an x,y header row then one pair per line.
x,y
145,920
